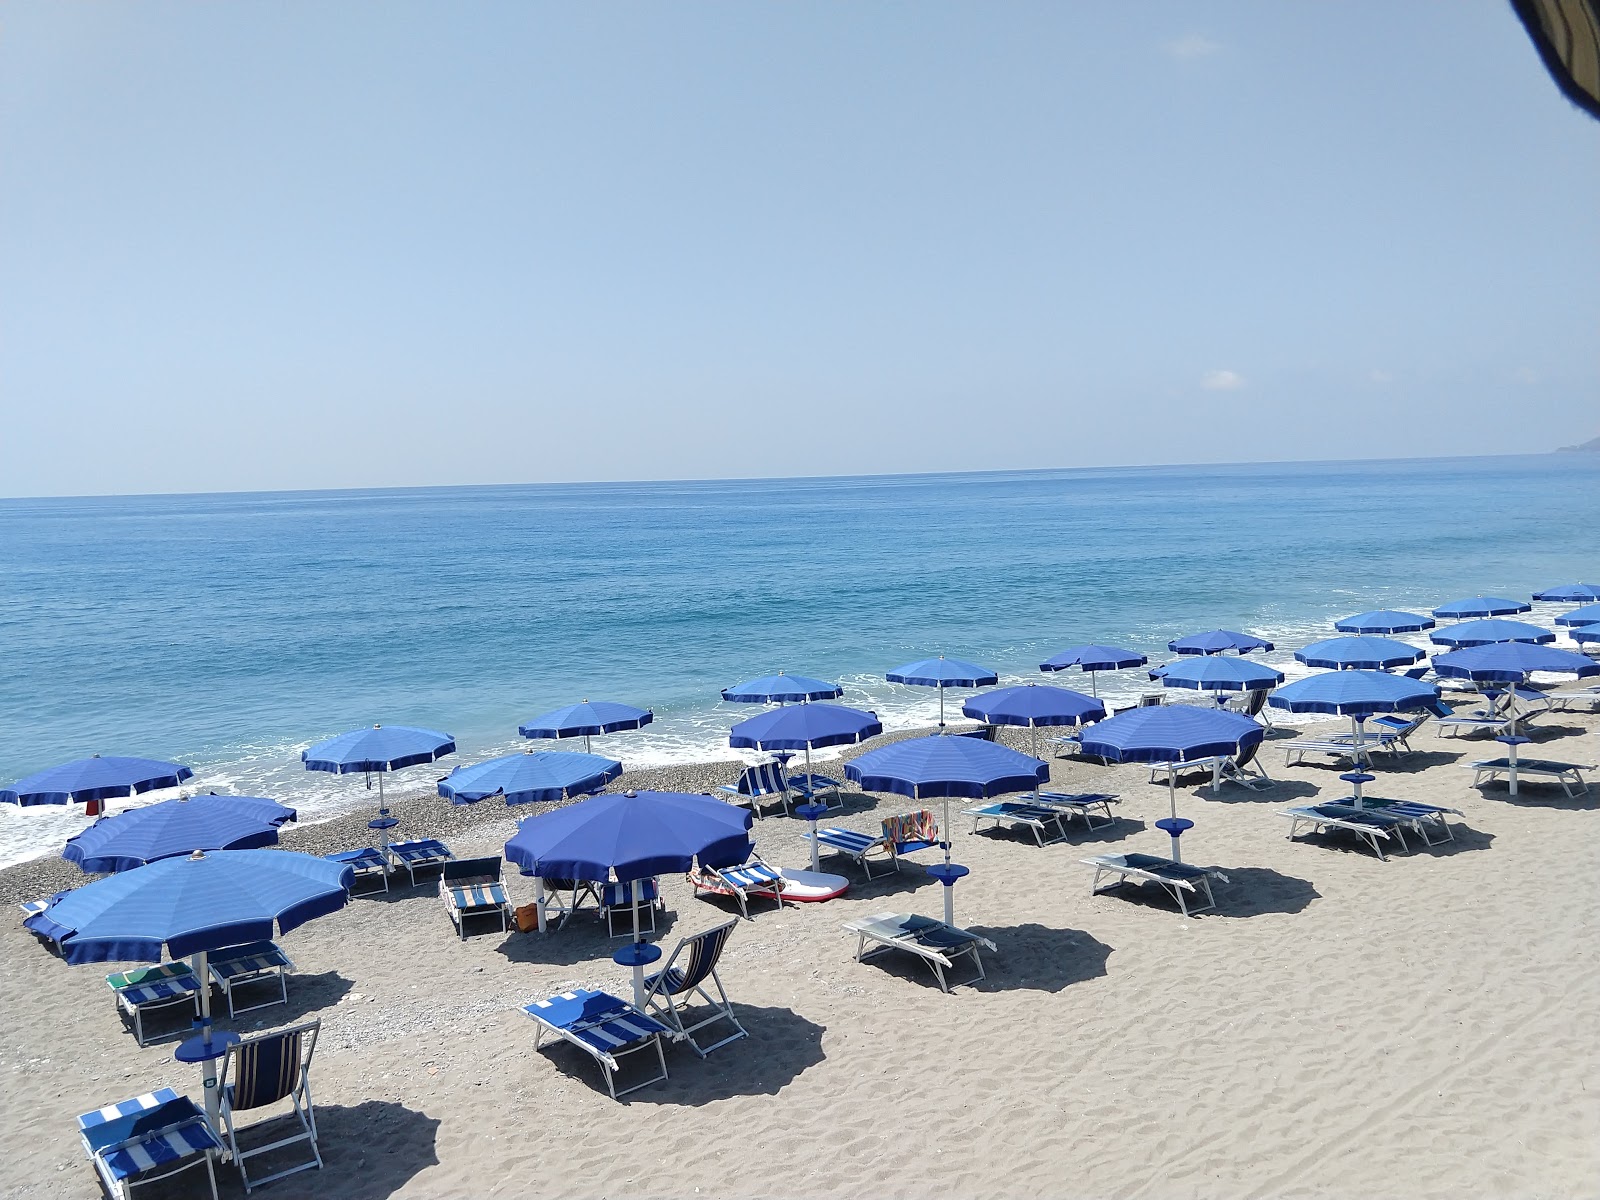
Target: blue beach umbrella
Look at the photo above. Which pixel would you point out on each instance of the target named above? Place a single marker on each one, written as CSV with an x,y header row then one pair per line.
x,y
1356,694
941,673
805,727
1031,706
193,905
1484,633
378,750
173,827
1214,674
1570,593
530,776
631,836
1385,621
782,689
1589,614
1511,662
1359,653
1585,633
1168,734
1481,606
586,720
91,780
1218,641
1092,659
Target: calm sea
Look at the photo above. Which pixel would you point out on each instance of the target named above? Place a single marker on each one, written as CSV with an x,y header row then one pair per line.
x,y
231,631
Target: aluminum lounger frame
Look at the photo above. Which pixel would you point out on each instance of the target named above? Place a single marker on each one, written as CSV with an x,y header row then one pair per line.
x,y
1566,701
880,929
1013,815
1082,804
472,887
1338,746
241,966
610,1023
143,989
1352,820
424,852
1244,770
1538,770
1175,877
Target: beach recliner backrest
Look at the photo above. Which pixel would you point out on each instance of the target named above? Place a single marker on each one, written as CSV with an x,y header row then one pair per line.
x,y
1246,755
477,870
266,1070
762,780
704,951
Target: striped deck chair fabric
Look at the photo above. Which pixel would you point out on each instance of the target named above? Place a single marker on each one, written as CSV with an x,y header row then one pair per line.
x,y
147,988
862,847
425,852
149,1137
471,887
668,990
603,1026
765,781
752,875
255,963
264,1070
616,903
367,863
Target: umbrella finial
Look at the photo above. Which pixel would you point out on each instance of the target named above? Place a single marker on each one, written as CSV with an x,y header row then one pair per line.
x,y
197,856
375,725
96,755
630,793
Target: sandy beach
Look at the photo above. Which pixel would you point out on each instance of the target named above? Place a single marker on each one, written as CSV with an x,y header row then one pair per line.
x,y
1340,1027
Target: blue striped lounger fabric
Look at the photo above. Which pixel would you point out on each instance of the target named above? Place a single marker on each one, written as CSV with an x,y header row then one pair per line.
x,y
1033,817
426,852
1371,825
752,876
471,887
937,944
1181,879
367,863
149,988
606,1028
146,1138
257,962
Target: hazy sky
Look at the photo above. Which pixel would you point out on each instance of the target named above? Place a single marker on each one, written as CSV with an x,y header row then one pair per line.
x,y
324,245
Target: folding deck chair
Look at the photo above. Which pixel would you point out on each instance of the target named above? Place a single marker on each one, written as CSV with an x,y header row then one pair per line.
x,y
1012,814
901,835
669,989
763,783
426,852
1179,878
616,900
1533,770
269,1069
1371,825
1251,704
240,966
740,880
935,943
1087,805
471,887
604,1027
367,863
150,1137
146,989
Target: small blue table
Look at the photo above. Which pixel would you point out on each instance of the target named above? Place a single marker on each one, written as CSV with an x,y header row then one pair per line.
x,y
1175,827
637,955
947,874
205,1048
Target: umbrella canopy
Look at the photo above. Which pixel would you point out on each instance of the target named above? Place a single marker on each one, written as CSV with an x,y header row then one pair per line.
x,y
1511,662
529,776
804,727
1484,633
381,748
1031,705
1481,606
1214,674
588,719
1385,621
193,904
630,835
1362,653
1570,593
1218,641
942,765
145,835
1094,658
1585,633
94,779
943,672
1358,693
1589,614
1171,733
782,689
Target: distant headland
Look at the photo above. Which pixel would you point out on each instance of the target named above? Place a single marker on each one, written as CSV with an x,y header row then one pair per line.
x,y
1592,446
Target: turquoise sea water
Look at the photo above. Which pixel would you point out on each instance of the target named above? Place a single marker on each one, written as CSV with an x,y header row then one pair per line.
x,y
230,631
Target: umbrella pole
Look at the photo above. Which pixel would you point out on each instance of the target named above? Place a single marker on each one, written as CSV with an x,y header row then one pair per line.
x,y
538,901
809,787
638,963
1033,749
941,708
1094,685
383,815
208,1066
1357,730
586,743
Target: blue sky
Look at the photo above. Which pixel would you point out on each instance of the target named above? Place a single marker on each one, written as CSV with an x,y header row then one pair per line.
x,y
310,245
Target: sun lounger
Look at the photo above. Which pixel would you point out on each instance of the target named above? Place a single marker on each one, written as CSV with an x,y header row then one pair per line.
x,y
1241,769
1422,819
146,989
1183,880
150,1137
367,862
1533,770
1370,825
1036,818
937,944
901,835
409,856
669,989
240,966
471,887
752,875
616,900
270,1069
814,788
1575,699
604,1027
1087,805
764,783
